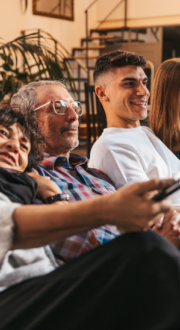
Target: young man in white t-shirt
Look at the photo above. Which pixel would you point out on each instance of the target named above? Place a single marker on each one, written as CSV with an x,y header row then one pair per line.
x,y
126,151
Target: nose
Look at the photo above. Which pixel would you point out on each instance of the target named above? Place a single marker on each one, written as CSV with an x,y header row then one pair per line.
x,y
13,145
142,90
71,115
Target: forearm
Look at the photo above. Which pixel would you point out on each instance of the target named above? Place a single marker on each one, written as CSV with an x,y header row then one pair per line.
x,y
37,225
128,208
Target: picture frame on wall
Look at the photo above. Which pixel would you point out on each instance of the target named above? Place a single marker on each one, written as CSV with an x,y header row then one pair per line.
x,y
62,9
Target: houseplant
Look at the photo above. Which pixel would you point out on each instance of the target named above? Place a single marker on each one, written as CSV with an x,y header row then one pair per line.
x,y
33,56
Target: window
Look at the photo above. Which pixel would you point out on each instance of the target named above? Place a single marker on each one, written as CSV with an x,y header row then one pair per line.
x,y
54,8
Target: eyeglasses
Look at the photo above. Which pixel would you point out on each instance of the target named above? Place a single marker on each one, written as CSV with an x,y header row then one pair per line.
x,y
60,107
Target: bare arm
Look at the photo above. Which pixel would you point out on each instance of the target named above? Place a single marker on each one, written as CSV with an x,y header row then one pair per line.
x,y
128,209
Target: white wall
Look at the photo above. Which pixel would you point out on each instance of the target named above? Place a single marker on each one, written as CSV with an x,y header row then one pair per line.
x,y
69,33
139,8
141,13
153,8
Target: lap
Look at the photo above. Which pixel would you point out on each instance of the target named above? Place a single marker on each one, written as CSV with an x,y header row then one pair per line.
x,y
131,282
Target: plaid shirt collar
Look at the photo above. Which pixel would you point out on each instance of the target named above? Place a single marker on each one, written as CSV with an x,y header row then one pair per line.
x,y
54,160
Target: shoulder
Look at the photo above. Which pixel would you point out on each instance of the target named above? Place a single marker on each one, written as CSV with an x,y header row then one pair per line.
x,y
40,170
113,144
109,138
4,199
6,224
102,176
147,130
98,150
7,207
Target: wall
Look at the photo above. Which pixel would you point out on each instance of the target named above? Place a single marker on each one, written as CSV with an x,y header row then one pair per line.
x,y
141,13
69,33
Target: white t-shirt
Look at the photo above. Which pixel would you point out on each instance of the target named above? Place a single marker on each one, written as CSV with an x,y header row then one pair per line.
x,y
128,155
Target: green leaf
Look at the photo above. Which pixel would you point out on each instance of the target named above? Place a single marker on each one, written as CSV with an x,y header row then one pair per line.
x,y
6,67
7,59
34,56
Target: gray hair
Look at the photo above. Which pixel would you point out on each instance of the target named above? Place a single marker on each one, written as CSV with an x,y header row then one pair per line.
x,y
27,93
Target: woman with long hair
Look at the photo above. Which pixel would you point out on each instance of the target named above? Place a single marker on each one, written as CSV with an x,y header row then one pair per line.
x,y
165,105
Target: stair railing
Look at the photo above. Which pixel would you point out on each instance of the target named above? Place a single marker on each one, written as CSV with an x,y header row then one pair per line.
x,y
87,31
112,11
86,13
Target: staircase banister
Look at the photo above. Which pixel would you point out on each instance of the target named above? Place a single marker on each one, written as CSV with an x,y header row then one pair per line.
x,y
117,5
86,13
91,4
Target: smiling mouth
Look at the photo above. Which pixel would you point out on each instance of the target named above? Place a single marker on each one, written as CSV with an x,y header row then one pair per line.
x,y
9,158
139,103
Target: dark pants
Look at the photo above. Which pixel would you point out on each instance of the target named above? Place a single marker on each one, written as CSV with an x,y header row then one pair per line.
x,y
131,283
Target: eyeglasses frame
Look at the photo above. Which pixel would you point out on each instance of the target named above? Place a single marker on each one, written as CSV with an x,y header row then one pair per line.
x,y
61,114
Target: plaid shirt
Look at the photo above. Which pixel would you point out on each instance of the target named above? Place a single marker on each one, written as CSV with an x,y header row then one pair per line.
x,y
80,183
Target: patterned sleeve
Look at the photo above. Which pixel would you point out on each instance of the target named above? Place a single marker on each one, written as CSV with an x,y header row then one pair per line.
x,y
6,224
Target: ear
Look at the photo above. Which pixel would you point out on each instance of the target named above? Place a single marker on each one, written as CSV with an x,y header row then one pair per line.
x,y
100,92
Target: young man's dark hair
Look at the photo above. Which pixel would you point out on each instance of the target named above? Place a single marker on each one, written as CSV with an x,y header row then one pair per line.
x,y
117,59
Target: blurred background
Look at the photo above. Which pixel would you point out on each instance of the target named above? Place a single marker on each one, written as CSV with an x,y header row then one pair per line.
x,y
61,39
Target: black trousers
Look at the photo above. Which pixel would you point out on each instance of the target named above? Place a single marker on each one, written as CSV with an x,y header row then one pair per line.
x,y
131,283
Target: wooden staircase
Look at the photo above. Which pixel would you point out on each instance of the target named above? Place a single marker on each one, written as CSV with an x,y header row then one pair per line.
x,y
79,70
91,38
97,42
77,61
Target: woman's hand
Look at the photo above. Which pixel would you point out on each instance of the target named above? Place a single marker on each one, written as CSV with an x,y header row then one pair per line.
x,y
46,187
